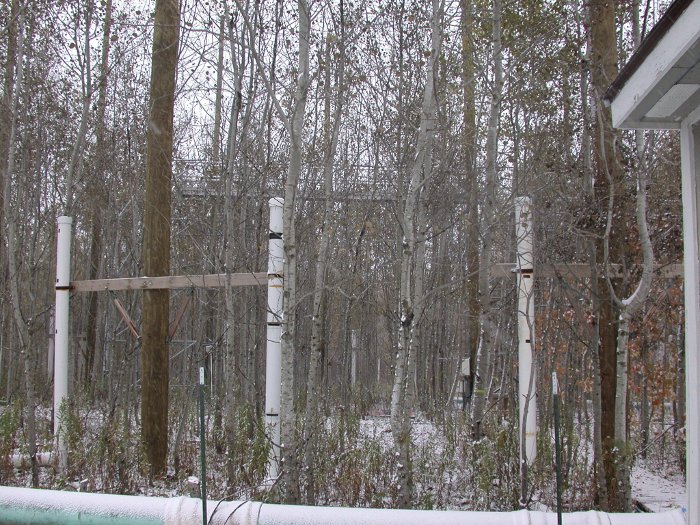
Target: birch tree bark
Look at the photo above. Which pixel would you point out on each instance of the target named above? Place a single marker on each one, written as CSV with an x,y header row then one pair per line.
x,y
156,239
486,325
294,125
331,132
296,128
400,412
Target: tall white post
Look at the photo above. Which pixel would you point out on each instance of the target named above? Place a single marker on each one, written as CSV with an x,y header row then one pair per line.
x,y
526,329
690,171
273,366
60,378
353,359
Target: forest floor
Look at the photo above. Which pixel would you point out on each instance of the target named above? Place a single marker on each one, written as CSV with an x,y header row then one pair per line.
x,y
658,490
445,477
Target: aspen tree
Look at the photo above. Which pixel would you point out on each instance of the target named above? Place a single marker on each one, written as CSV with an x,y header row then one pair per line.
x,y
331,131
400,411
486,325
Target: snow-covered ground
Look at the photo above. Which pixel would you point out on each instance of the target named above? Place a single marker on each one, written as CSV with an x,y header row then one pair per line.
x,y
656,492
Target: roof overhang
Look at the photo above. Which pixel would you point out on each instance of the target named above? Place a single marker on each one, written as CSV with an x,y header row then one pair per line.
x,y
660,85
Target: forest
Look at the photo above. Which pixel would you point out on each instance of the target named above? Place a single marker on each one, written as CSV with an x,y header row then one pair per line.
x,y
399,135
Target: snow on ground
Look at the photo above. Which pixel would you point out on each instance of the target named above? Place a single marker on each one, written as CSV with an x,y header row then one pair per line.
x,y
656,492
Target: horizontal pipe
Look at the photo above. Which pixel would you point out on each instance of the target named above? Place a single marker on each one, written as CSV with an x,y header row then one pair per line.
x,y
23,461
35,506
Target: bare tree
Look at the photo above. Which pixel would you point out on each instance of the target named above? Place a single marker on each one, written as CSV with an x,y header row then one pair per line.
x,y
486,325
331,131
156,240
410,266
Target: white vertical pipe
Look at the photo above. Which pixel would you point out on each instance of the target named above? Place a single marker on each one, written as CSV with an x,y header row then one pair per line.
x,y
60,380
526,328
353,362
690,170
273,365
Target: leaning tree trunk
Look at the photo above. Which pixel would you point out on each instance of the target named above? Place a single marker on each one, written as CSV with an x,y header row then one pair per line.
x,y
156,237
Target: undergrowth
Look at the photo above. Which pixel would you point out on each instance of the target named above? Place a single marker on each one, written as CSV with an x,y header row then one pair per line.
x,y
351,462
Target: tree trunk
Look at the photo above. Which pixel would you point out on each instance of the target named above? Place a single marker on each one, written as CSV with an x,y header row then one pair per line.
x,y
6,114
74,164
296,127
156,238
232,330
11,239
400,412
603,63
312,418
486,325
472,189
99,202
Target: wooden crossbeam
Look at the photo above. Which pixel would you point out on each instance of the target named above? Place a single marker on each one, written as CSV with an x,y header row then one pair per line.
x,y
579,270
170,282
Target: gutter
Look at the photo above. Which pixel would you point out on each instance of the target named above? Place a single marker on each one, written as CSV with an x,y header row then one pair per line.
x,y
673,13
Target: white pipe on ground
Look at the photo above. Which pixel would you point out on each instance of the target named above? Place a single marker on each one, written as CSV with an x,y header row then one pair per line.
x,y
60,379
273,365
527,375
30,506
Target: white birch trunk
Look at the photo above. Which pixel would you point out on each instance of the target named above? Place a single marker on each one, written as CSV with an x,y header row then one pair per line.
x,y
400,413
296,127
484,350
331,133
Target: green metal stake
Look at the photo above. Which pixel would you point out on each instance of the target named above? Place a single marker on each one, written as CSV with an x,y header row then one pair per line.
x,y
202,445
557,446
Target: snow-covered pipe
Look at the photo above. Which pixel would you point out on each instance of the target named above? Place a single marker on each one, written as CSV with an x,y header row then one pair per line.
x,y
24,462
34,506
527,375
273,364
60,378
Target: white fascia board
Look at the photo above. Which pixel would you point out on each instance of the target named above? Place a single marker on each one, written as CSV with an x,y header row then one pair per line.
x,y
652,72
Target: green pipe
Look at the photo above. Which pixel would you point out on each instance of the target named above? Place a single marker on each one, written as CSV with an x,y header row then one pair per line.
x,y
33,506
24,516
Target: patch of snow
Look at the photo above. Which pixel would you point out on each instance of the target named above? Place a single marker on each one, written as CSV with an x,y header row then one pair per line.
x,y
657,492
